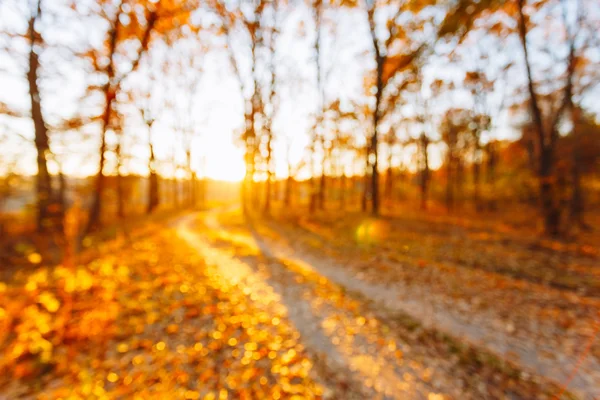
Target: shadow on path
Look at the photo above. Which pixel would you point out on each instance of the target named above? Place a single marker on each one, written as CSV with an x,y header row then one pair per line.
x,y
330,325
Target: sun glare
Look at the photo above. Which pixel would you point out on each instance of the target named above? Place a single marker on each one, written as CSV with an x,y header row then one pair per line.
x,y
225,165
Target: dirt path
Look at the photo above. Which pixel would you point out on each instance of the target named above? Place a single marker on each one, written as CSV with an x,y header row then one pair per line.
x,y
320,323
379,360
548,353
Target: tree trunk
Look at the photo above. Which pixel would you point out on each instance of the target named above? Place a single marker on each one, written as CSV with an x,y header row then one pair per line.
x,y
424,178
550,212
194,190
62,192
256,186
287,197
120,188
175,185
312,201
96,208
60,200
459,173
365,179
318,193
251,137
43,180
153,190
343,190
424,184
190,173
120,195
110,92
322,185
268,191
372,155
449,184
374,158
248,185
109,95
268,183
491,175
577,203
477,178
153,198
389,179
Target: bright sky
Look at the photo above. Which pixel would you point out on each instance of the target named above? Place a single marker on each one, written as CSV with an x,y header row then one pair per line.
x,y
217,107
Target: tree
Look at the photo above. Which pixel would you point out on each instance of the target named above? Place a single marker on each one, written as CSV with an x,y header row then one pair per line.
x,y
393,52
191,48
250,19
153,189
128,21
455,131
547,135
37,74
423,143
43,181
480,122
584,144
317,198
270,102
579,40
114,36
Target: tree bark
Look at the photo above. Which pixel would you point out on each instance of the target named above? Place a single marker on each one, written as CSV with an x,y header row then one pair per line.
x,y
193,190
153,190
269,118
389,179
312,201
343,179
424,169
287,194
477,177
109,95
268,183
175,184
372,156
491,175
287,198
249,197
44,193
190,173
459,173
449,185
577,202
318,190
550,211
365,179
322,183
110,92
120,188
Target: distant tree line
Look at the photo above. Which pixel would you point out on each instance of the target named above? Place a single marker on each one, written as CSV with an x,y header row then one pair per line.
x,y
408,132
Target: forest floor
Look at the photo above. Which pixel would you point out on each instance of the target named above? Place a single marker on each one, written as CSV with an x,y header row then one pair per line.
x,y
209,305
532,301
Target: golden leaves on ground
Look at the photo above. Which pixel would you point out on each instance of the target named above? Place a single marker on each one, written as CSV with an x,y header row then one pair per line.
x,y
159,326
41,317
34,258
